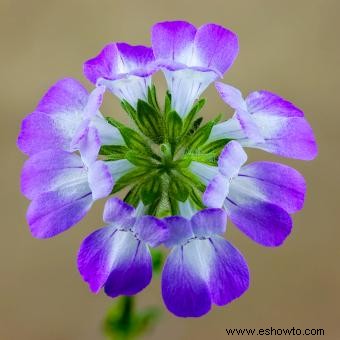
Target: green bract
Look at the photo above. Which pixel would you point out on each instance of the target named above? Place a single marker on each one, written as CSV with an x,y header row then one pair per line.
x,y
161,146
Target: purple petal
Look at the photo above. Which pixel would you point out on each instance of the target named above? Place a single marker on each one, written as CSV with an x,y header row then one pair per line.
x,y
179,230
185,292
249,126
120,59
289,137
132,266
275,183
216,192
94,102
89,145
96,257
39,132
267,103
66,95
100,180
215,47
50,170
231,96
229,274
173,41
53,212
231,159
203,272
208,222
151,230
265,223
117,211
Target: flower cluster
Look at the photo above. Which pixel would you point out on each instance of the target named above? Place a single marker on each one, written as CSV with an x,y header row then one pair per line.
x,y
182,176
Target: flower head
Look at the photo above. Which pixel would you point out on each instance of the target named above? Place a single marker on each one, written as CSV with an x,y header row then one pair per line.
x,y
180,176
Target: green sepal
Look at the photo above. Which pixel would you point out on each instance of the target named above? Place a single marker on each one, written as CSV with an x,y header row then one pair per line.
x,y
215,147
129,109
189,177
174,127
200,136
173,206
167,103
152,97
178,189
196,198
116,151
191,115
133,196
151,189
206,158
132,139
132,176
150,121
139,159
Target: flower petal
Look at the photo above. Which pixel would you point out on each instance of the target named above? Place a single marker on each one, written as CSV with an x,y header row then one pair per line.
x,y
267,103
173,41
66,95
231,159
208,222
49,171
100,180
229,274
275,183
89,145
95,257
53,212
265,223
132,266
179,230
216,192
215,47
185,292
231,96
288,137
117,212
202,272
151,230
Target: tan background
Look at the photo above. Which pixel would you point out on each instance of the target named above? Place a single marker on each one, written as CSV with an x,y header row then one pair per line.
x,y
289,47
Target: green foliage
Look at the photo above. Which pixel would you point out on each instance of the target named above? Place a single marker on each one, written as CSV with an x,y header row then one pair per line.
x,y
123,322
161,147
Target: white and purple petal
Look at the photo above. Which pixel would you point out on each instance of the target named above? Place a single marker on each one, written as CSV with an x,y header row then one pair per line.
x,y
100,180
151,230
131,270
266,223
216,191
275,183
202,272
50,171
179,230
53,212
208,222
117,212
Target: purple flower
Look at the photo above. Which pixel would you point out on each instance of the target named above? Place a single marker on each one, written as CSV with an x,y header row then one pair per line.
x,y
268,122
61,118
63,186
257,197
117,256
202,267
124,69
192,58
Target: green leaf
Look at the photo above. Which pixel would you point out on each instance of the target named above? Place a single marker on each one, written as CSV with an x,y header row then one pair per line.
x,y
178,189
151,189
196,198
133,196
191,115
118,151
167,103
140,159
152,97
215,147
191,179
134,175
150,121
174,127
200,136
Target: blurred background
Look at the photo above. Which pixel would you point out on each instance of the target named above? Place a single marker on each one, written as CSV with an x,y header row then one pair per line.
x,y
288,47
